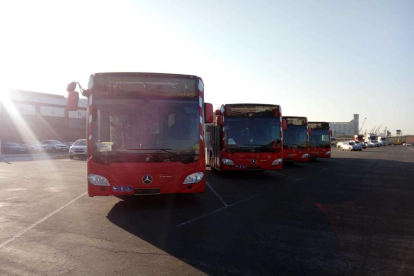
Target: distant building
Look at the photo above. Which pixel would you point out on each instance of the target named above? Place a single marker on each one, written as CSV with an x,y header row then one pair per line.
x,y
345,128
40,116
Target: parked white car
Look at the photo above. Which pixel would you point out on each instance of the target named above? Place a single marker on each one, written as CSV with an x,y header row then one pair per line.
x,y
78,149
407,144
339,144
351,146
54,145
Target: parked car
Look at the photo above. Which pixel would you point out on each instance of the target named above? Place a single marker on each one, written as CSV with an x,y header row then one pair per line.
x,y
69,144
351,146
370,144
54,145
11,147
407,144
78,149
34,146
24,145
362,144
339,144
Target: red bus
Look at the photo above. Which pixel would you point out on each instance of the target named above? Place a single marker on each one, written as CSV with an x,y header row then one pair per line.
x,y
145,133
296,139
245,137
320,140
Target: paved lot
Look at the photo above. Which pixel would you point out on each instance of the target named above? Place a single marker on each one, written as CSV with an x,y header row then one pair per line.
x,y
350,215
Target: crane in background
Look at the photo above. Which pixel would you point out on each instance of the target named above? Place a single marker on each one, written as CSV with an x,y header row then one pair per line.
x,y
363,123
377,130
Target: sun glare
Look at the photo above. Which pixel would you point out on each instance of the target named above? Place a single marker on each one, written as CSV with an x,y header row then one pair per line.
x,y
6,102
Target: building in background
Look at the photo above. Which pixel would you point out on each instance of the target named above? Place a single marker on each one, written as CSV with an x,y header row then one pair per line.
x,y
345,128
26,115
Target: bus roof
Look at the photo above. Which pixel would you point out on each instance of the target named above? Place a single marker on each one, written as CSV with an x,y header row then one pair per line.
x,y
145,74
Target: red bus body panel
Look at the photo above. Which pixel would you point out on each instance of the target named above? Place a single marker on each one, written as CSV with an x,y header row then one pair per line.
x,y
168,177
244,161
320,152
295,155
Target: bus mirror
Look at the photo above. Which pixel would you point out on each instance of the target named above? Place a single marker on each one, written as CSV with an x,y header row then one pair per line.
x,y
71,87
284,125
219,120
208,113
73,99
217,112
330,133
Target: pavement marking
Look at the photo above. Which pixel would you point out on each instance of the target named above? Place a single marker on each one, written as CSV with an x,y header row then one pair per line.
x,y
336,233
4,205
16,190
26,176
217,194
213,212
21,233
410,149
10,198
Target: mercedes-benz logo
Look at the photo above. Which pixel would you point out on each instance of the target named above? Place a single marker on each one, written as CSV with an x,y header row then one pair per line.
x,y
147,179
253,161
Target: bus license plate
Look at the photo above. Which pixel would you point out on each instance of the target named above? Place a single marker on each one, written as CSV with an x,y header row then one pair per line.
x,y
147,191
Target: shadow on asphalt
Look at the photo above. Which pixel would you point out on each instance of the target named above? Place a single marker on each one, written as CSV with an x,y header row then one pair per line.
x,y
300,228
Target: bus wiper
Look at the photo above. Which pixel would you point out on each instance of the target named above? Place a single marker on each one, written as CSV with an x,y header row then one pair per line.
x,y
252,145
189,159
109,159
149,149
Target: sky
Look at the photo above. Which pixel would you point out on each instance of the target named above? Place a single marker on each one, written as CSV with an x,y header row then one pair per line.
x,y
326,60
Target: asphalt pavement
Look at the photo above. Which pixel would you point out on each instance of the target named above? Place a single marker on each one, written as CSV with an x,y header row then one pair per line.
x,y
348,215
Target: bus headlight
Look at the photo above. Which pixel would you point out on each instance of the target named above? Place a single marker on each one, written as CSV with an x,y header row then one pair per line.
x,y
98,180
328,153
277,162
305,156
227,161
194,178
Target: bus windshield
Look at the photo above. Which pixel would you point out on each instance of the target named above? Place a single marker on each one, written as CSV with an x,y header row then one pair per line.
x,y
260,134
166,128
319,138
295,137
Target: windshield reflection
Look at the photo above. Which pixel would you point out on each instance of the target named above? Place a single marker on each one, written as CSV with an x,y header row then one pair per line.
x,y
319,138
258,134
295,137
133,127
